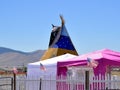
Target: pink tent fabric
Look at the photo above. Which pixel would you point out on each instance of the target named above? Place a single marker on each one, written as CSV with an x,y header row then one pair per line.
x,y
104,57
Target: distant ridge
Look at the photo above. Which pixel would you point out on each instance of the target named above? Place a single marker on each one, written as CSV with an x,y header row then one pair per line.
x,y
6,50
10,57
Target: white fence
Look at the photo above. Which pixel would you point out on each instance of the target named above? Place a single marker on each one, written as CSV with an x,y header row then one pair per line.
x,y
104,82
62,83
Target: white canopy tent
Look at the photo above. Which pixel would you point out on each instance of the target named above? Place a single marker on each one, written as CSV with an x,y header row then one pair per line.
x,y
34,71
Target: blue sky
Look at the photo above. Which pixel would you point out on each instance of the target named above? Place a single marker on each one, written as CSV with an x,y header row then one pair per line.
x,y
92,24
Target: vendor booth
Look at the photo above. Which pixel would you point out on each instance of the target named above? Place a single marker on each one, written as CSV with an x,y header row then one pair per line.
x,y
108,65
35,73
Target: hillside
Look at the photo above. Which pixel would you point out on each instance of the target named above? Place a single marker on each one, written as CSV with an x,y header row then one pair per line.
x,y
10,57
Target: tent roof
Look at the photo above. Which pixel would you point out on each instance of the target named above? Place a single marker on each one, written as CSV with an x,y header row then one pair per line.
x,y
53,61
97,55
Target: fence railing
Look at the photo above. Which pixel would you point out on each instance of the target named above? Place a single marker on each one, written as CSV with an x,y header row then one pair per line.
x,y
108,82
6,83
69,83
63,83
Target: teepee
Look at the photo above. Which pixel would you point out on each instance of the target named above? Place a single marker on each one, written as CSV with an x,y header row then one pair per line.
x,y
60,42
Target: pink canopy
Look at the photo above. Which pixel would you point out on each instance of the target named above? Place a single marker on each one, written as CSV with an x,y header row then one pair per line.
x,y
104,57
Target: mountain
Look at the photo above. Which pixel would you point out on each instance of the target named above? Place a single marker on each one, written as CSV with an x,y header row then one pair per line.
x,y
10,57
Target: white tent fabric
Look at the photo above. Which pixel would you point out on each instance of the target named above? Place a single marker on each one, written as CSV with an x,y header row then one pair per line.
x,y
34,71
49,64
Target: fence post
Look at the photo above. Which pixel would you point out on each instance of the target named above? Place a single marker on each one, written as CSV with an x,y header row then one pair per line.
x,y
106,88
14,81
40,84
86,80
